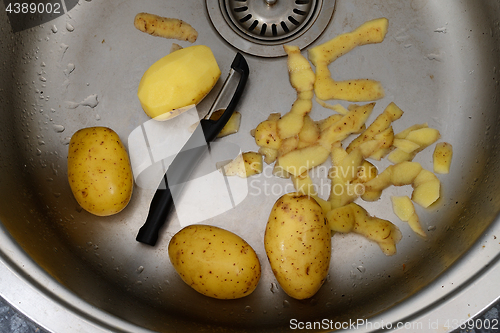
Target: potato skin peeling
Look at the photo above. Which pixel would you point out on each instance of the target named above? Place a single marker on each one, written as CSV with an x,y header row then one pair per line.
x,y
215,262
165,27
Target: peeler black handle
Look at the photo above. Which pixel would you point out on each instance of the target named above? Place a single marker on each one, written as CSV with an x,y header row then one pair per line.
x,y
183,164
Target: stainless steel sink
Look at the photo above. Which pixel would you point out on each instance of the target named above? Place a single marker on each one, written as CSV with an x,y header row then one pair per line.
x,y
74,272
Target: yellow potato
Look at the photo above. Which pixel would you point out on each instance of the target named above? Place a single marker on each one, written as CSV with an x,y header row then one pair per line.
x,y
325,204
310,131
404,133
423,137
270,155
404,209
400,174
99,171
327,122
348,124
291,123
379,125
215,262
405,145
274,116
405,173
178,80
304,185
300,72
341,219
370,32
279,171
266,135
299,161
360,90
367,172
349,172
298,245
400,154
245,165
337,107
165,27
354,218
442,157
426,188
288,144
232,126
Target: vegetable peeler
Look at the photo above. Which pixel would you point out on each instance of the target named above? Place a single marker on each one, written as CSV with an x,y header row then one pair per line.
x,y
183,164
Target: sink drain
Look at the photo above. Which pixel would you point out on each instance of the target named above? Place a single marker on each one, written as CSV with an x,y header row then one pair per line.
x,y
261,27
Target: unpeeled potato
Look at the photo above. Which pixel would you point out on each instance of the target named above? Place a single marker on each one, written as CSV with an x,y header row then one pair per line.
x,y
298,244
99,171
215,262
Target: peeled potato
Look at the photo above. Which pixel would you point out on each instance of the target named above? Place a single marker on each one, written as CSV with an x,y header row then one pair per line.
x,y
178,80
442,157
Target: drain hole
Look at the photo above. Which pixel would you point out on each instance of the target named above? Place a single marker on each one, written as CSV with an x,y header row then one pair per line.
x,y
300,2
274,30
285,28
299,12
254,24
294,21
263,29
246,18
241,9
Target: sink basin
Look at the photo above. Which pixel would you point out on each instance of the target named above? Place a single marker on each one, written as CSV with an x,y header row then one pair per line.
x,y
72,271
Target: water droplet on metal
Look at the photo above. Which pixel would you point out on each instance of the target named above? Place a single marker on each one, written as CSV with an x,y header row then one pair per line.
x,y
69,27
38,152
54,29
65,141
274,287
286,304
43,79
97,117
91,101
58,128
140,269
361,269
248,309
69,69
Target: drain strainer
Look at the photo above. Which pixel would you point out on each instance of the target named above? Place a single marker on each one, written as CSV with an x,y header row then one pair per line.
x,y
261,27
